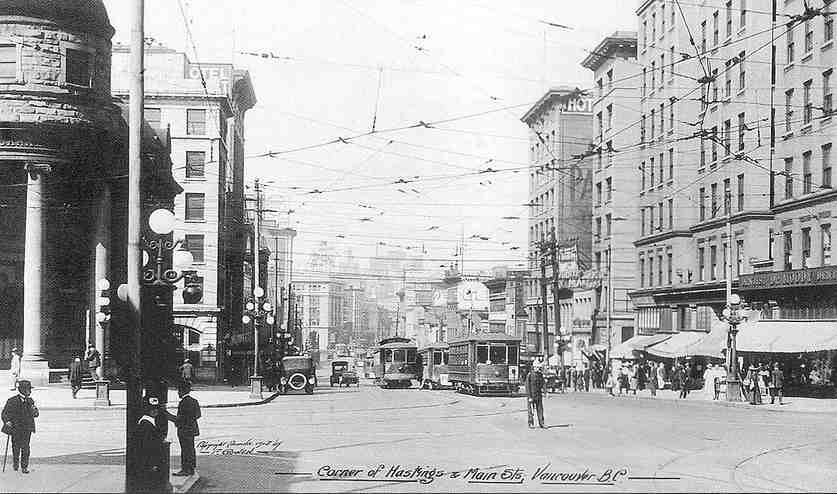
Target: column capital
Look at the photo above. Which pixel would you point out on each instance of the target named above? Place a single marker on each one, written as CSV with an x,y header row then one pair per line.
x,y
37,169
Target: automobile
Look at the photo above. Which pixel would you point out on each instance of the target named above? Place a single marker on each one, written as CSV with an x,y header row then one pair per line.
x,y
297,373
342,373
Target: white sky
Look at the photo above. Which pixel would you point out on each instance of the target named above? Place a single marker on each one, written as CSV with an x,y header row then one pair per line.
x,y
477,55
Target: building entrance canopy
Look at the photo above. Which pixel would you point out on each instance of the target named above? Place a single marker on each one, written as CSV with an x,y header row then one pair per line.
x,y
787,336
679,345
629,349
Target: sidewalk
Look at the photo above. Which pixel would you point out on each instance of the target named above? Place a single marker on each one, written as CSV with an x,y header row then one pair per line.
x,y
59,397
790,404
45,477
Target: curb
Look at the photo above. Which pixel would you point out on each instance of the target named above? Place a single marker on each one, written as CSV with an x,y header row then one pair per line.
x,y
723,403
168,406
187,484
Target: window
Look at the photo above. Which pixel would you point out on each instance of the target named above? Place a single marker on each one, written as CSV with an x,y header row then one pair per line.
x,y
600,86
610,79
662,167
713,262
608,224
788,109
154,118
701,264
741,192
195,162
662,119
702,152
653,27
809,37
825,236
715,29
609,196
788,250
662,69
653,123
642,170
807,105
806,248
497,354
660,269
671,164
194,207
724,251
670,262
660,212
826,165
653,75
600,121
652,171
771,243
671,114
644,83
196,122
727,137
788,178
599,227
78,67
650,270
739,257
644,32
741,127
714,200
742,72
671,60
641,272
828,28
806,172
194,244
651,220
703,37
642,129
702,204
790,45
742,16
727,197
827,96
714,144
609,117
599,193
642,221
8,61
663,20
728,79
482,354
714,85
729,18
671,214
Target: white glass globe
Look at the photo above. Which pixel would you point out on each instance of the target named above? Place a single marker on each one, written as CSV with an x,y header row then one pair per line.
x,y
122,292
734,299
145,258
103,284
102,301
727,313
101,317
245,319
258,292
270,320
182,259
267,307
161,221
249,306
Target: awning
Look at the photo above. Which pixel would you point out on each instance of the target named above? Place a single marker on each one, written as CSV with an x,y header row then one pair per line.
x,y
678,345
712,345
629,349
787,336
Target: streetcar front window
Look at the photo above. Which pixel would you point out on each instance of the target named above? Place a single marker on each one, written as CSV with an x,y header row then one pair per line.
x,y
498,354
445,358
411,356
398,356
482,354
437,358
388,356
513,355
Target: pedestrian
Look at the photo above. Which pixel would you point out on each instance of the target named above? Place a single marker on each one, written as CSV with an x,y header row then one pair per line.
x,y
752,381
19,422
534,395
661,376
94,361
764,380
187,371
778,383
75,375
685,381
148,440
14,370
587,378
186,421
652,379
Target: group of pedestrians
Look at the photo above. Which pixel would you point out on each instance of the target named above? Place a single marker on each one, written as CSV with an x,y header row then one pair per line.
x,y
761,381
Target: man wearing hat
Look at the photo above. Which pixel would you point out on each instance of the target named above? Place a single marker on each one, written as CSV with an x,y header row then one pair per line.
x,y
19,422
14,370
186,421
94,361
187,371
149,442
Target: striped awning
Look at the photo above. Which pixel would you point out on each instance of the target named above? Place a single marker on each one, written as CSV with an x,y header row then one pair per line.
x,y
631,348
678,346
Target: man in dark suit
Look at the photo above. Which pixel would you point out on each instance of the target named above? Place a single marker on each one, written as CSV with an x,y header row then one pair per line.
x,y
149,443
535,389
186,421
19,422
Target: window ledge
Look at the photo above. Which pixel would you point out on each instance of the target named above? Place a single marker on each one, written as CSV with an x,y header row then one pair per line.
x,y
825,120
806,129
10,81
789,66
195,221
195,179
741,92
670,131
713,108
808,56
741,30
827,45
701,170
787,135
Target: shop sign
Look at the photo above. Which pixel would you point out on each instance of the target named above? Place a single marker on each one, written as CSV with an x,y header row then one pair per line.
x,y
779,279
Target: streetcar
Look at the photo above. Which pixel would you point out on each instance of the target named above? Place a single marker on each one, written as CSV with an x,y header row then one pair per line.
x,y
485,364
396,362
434,360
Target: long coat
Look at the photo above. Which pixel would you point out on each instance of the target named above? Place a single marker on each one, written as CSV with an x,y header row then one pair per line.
x,y
188,413
21,412
535,385
75,372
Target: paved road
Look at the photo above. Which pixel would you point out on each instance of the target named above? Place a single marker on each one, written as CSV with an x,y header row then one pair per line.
x,y
303,443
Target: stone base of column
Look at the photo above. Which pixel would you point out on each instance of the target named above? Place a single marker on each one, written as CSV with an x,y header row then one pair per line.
x,y
35,371
734,390
102,393
256,387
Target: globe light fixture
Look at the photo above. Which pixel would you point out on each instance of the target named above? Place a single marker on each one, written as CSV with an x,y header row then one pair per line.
x,y
103,284
161,221
182,258
267,307
245,319
250,306
258,292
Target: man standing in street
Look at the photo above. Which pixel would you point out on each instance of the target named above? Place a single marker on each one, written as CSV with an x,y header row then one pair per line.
x,y
778,383
149,443
187,371
75,375
94,360
186,421
19,422
14,370
534,393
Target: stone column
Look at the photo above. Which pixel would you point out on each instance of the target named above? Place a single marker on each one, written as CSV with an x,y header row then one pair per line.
x,y
35,367
101,270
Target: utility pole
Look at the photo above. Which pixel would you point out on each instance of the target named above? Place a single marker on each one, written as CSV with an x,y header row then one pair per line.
x,y
256,268
556,298
134,255
544,340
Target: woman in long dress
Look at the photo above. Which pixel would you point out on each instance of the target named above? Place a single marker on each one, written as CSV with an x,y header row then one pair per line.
x,y
661,376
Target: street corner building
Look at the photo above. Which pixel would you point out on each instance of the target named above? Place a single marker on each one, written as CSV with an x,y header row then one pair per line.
x,y
63,181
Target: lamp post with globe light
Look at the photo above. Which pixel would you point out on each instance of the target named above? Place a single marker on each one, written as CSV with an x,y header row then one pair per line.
x,y
258,313
732,315
103,319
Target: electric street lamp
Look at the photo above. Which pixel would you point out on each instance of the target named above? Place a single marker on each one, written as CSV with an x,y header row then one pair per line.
x,y
732,315
258,313
103,319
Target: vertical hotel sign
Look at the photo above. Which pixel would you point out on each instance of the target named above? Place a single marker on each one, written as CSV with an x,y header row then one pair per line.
x,y
220,73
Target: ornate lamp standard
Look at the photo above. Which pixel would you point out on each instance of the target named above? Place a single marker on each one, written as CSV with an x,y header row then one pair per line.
x,y
258,313
103,318
732,315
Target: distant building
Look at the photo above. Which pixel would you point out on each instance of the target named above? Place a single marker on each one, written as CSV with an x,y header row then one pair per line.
x,y
320,307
